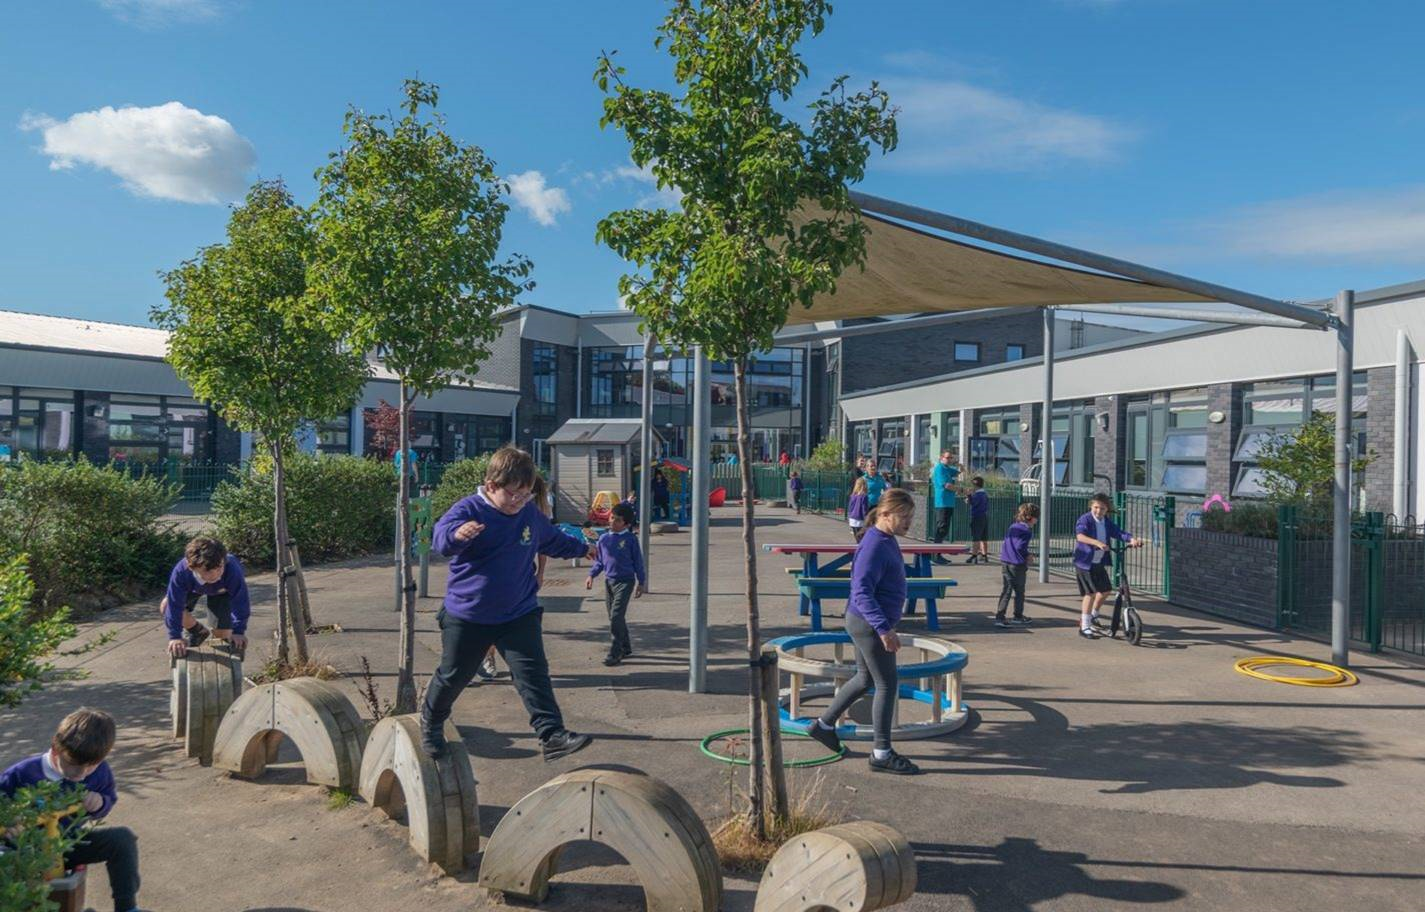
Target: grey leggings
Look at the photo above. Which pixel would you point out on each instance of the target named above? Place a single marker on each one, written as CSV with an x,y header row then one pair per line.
x,y
874,665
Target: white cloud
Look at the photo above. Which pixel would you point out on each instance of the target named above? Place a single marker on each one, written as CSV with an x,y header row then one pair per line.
x,y
659,197
169,151
543,203
161,12
1376,226
951,125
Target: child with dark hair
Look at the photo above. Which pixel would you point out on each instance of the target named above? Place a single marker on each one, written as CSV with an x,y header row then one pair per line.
x,y
979,522
794,490
206,570
621,560
1014,563
1092,559
491,538
75,759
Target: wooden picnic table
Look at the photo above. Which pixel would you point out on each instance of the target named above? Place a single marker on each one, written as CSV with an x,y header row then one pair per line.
x,y
922,566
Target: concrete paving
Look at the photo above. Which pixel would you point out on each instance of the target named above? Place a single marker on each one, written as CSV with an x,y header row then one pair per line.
x,y
1093,775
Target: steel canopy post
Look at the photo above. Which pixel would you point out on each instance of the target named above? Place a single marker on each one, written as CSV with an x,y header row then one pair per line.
x,y
701,485
1046,451
1341,489
645,451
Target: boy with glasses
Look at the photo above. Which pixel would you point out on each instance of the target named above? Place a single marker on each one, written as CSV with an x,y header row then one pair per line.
x,y
491,538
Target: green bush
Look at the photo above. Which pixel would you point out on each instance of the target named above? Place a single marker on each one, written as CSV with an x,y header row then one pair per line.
x,y
460,480
24,640
827,456
1255,520
93,533
33,852
337,507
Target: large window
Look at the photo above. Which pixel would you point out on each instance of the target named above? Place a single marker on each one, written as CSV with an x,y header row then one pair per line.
x,y
136,432
1167,442
190,430
545,369
1276,408
922,440
1000,455
334,435
1072,433
892,436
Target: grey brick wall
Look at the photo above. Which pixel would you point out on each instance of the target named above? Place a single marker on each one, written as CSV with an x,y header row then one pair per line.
x,y
1108,444
1028,434
506,356
1222,438
898,357
1380,437
1225,574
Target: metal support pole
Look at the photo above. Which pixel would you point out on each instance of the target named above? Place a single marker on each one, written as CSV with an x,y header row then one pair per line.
x,y
698,590
1400,470
1046,452
1341,490
645,451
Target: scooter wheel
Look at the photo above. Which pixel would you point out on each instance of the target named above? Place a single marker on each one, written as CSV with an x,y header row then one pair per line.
x,y
1132,626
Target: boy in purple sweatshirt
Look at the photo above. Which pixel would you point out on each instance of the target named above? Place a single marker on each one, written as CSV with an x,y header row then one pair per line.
x,y
75,759
491,538
872,612
206,570
621,560
1014,563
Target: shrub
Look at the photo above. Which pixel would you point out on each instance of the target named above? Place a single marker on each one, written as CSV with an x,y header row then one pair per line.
x,y
33,852
828,456
1299,466
25,641
460,480
337,507
1256,520
93,533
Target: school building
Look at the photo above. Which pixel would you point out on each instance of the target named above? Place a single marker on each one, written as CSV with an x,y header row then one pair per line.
x,y
1181,412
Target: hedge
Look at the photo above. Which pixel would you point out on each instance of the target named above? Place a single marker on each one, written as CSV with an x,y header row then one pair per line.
x,y
460,480
337,507
94,534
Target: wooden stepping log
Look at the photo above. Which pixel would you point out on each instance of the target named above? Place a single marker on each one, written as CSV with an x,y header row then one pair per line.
x,y
438,796
850,867
316,715
641,818
205,684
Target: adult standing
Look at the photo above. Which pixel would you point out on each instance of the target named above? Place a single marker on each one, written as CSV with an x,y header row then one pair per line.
x,y
875,485
942,483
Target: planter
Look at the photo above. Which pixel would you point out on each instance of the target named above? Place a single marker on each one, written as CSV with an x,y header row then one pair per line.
x,y
1225,574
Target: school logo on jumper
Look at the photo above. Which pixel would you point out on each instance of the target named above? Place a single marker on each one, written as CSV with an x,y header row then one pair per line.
x,y
623,544
525,536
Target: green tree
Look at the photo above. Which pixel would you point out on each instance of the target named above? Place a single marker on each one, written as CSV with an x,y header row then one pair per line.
x,y
25,640
410,222
1299,466
766,221
245,335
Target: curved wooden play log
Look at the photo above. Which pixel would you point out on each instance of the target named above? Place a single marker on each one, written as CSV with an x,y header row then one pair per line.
x,y
641,818
205,684
438,796
850,867
315,714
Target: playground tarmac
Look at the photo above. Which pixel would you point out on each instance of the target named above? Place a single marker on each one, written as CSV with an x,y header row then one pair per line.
x,y
1092,775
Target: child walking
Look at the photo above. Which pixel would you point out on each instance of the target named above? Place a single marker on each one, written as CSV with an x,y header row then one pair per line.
x,y
794,490
1014,564
856,508
206,570
979,522
1092,559
621,561
492,538
876,603
75,759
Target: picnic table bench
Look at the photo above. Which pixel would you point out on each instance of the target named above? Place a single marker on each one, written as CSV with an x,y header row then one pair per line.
x,y
815,588
922,555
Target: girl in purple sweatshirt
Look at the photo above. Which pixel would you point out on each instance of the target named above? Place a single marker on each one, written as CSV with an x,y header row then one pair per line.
x,y
1014,563
856,508
875,606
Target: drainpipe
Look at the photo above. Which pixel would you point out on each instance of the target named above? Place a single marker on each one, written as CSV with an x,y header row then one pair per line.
x,y
579,379
1400,474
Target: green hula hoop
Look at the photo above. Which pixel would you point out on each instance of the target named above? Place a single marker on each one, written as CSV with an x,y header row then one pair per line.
x,y
790,764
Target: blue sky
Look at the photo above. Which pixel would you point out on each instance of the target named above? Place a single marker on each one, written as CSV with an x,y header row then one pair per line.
x,y
1274,146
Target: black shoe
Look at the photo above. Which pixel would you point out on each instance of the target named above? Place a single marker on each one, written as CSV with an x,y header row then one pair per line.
x,y
1022,621
895,764
612,659
626,652
826,737
1001,622
1088,633
196,635
972,558
432,739
563,743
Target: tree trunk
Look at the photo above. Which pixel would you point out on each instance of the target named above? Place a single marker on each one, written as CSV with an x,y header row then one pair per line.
x,y
756,774
283,654
286,584
303,600
406,675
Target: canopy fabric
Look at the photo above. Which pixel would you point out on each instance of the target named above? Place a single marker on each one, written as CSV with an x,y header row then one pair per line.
x,y
912,271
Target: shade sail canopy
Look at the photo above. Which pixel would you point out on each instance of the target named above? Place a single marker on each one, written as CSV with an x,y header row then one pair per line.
x,y
913,271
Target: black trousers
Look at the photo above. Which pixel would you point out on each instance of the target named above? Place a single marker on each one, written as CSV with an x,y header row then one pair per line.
x,y
520,642
616,596
118,849
943,517
875,665
1014,575
220,613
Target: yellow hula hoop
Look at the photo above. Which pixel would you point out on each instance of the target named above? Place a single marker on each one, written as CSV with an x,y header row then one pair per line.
x,y
1339,677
